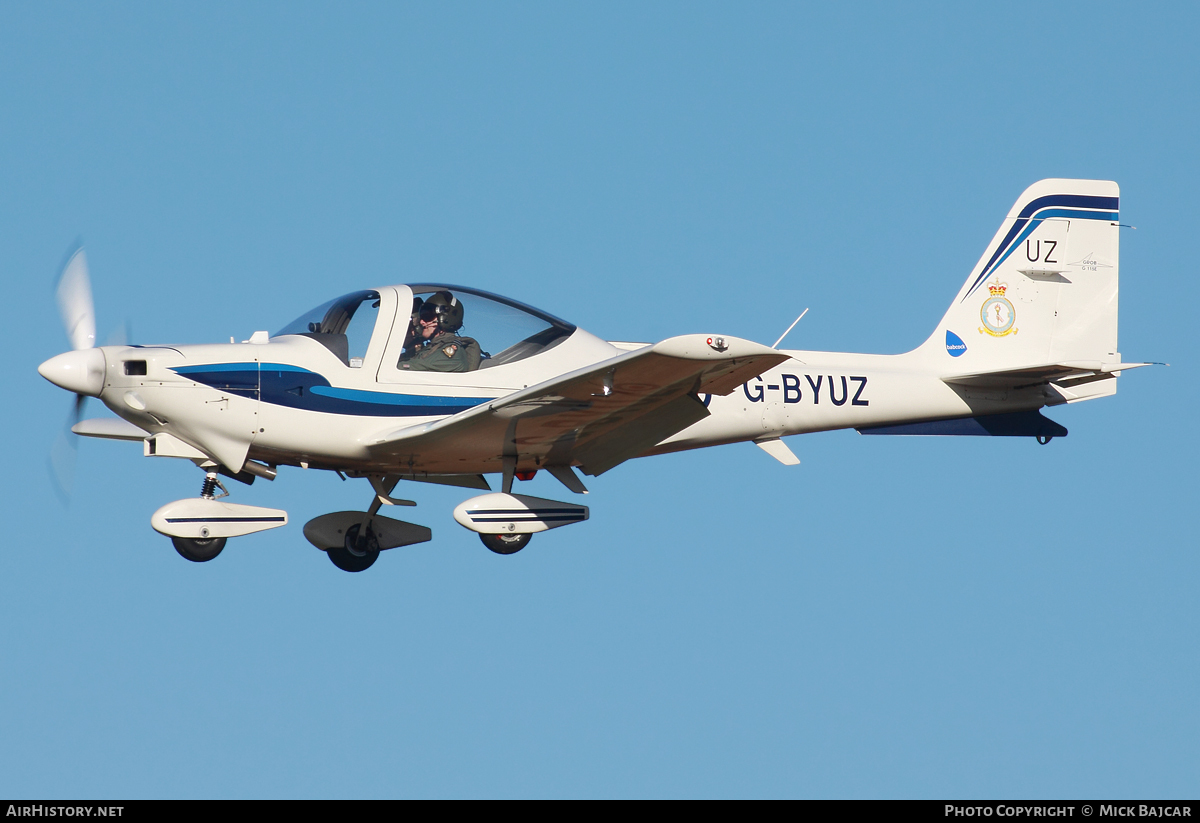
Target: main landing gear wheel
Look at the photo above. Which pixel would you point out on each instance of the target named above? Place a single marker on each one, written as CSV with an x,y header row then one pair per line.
x,y
506,543
356,555
198,550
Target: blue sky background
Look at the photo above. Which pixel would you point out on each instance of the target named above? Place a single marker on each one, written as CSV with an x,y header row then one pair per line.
x,y
895,617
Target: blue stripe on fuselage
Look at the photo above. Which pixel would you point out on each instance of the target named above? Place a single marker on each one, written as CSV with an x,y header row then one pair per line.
x,y
298,388
236,378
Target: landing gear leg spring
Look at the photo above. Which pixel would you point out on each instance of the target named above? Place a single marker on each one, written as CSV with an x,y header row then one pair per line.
x,y
204,548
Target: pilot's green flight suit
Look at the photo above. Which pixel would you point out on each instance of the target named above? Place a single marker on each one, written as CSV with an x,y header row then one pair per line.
x,y
444,352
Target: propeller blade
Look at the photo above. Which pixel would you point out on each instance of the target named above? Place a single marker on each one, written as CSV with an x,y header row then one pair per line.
x,y
120,336
65,452
74,293
78,311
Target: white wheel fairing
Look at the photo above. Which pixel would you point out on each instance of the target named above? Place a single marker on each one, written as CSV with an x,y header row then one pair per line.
x,y
201,518
516,514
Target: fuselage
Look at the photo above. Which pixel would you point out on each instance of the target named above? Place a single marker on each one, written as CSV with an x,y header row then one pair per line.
x,y
297,399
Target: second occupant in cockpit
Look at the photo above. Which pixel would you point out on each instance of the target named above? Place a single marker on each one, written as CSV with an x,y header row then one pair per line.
x,y
436,346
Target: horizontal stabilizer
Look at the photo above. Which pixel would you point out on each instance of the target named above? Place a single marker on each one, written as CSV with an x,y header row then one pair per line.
x,y
1014,424
1069,372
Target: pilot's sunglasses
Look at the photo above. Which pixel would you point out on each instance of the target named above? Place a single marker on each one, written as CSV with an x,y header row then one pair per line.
x,y
428,312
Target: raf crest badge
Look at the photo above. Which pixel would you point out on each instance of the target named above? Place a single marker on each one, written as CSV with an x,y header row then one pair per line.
x,y
998,314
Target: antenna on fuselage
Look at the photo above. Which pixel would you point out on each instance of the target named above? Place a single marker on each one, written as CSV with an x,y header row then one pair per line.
x,y
789,328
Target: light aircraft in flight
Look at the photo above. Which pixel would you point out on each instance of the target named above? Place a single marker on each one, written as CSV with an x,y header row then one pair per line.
x,y
386,384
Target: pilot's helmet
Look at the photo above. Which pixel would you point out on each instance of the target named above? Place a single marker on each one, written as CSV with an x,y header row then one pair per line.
x,y
446,308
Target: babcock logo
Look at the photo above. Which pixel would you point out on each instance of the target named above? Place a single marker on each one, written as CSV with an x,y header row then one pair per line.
x,y
954,344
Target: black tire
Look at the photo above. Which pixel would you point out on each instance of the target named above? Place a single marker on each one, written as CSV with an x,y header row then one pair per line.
x,y
356,555
198,550
506,543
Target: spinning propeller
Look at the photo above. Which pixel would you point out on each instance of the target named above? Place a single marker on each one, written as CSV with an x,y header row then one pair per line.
x,y
80,370
74,295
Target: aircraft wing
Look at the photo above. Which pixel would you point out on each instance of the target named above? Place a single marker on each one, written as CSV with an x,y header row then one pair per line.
x,y
596,417
1073,372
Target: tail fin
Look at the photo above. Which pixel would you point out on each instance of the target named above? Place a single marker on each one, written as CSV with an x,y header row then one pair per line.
x,y
1045,291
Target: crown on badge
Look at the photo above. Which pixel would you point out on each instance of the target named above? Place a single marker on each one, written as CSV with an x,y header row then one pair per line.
x,y
997,289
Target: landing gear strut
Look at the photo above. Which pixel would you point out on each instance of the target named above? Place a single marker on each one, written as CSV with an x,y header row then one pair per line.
x,y
200,526
353,540
203,549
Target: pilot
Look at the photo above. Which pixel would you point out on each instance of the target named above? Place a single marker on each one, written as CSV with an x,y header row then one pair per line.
x,y
414,325
436,346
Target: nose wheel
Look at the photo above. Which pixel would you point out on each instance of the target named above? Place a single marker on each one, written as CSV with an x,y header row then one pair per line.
x,y
203,549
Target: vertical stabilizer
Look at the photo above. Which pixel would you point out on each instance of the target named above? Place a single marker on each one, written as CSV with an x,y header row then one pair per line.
x,y
1045,291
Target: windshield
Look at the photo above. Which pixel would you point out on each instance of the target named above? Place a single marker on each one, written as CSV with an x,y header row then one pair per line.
x,y
343,325
503,330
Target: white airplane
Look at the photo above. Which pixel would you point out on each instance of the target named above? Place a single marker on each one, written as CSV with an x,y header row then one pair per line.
x,y
342,387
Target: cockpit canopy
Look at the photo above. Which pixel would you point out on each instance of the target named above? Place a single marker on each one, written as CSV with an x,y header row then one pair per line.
x,y
344,325
505,330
